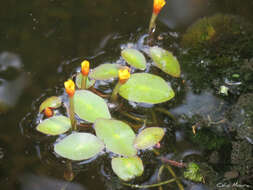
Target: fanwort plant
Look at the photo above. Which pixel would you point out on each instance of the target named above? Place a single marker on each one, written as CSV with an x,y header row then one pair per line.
x,y
111,134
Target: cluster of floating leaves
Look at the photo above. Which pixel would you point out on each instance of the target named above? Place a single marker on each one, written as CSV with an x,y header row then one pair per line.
x,y
112,134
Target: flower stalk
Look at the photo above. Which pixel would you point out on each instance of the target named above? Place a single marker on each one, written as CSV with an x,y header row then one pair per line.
x,y
157,7
70,89
152,23
124,75
85,68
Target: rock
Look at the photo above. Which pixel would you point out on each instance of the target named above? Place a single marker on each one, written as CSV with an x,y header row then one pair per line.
x,y
214,157
241,117
231,174
218,51
241,157
198,187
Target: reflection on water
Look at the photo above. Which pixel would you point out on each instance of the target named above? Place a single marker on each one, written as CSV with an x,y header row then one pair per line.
x,y
12,87
180,13
201,104
33,182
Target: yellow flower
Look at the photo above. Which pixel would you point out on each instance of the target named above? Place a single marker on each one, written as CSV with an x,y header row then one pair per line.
x,y
48,112
85,67
70,87
158,5
124,75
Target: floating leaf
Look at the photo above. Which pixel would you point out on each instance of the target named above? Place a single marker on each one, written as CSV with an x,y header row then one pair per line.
x,y
89,82
54,125
146,88
105,71
134,58
117,136
165,61
51,102
127,168
149,137
79,146
89,106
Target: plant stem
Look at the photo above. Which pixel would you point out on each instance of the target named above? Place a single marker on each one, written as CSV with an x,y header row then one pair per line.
x,y
180,186
160,171
152,23
84,81
173,162
115,92
99,93
172,172
72,113
138,119
65,186
68,173
162,110
149,186
154,117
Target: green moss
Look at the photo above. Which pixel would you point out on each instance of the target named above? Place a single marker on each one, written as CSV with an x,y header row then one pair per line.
x,y
240,117
216,28
217,48
208,139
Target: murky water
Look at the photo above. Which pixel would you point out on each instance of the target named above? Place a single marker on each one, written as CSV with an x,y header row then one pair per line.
x,y
45,42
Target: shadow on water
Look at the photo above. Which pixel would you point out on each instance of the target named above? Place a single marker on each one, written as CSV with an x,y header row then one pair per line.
x,y
48,39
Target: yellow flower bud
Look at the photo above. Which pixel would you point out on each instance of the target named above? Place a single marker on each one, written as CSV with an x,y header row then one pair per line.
x,y
85,67
158,5
124,75
70,87
48,112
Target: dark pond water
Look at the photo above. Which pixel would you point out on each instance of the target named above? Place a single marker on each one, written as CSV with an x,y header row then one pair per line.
x,y
42,44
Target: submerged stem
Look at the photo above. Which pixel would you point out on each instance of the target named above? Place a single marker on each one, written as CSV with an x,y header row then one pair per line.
x,y
72,113
138,119
180,186
68,173
160,171
162,110
64,187
148,186
154,117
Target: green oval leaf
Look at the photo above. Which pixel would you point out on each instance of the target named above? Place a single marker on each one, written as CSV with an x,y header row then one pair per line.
x,y
54,125
89,106
146,88
117,136
127,168
105,71
79,146
51,102
134,58
148,137
89,83
165,61
193,173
